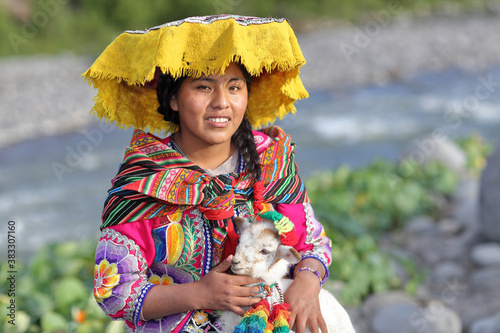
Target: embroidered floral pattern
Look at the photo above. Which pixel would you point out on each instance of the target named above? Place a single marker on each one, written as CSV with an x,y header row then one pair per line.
x,y
191,259
164,280
115,273
106,278
200,317
203,321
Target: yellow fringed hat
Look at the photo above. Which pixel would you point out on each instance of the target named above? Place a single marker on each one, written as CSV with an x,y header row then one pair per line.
x,y
267,47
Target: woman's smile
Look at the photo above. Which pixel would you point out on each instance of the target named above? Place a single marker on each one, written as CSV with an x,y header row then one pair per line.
x,y
220,120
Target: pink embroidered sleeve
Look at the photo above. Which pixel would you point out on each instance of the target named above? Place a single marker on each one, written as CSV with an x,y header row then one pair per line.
x,y
313,242
123,256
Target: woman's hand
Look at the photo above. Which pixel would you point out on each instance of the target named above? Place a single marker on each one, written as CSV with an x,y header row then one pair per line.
x,y
220,291
216,291
303,297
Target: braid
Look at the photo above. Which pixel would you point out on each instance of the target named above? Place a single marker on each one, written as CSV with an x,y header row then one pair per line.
x,y
244,140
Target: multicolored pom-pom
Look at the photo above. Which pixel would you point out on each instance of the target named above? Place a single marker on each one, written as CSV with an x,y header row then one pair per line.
x,y
283,225
261,318
256,320
281,317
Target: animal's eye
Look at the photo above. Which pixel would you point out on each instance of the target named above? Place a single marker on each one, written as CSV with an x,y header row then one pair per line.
x,y
265,252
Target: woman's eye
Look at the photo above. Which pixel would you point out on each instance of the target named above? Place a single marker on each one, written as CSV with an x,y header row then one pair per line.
x,y
265,252
203,87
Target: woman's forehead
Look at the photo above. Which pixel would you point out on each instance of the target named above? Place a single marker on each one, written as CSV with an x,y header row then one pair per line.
x,y
232,71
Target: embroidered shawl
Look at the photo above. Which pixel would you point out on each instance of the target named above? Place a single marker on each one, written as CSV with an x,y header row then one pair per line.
x,y
155,180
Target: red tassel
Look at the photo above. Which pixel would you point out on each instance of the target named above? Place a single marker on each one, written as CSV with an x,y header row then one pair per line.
x,y
290,238
258,197
216,214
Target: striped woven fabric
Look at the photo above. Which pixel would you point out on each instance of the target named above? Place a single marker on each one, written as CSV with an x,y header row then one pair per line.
x,y
155,180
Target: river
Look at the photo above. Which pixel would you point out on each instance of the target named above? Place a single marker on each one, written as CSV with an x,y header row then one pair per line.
x,y
54,187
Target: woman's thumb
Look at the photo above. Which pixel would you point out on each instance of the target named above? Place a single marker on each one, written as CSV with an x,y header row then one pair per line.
x,y
224,265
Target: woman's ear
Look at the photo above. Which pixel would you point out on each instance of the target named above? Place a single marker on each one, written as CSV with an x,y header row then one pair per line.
x,y
154,82
173,103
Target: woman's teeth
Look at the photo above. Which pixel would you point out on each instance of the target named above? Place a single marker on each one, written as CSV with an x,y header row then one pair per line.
x,y
218,120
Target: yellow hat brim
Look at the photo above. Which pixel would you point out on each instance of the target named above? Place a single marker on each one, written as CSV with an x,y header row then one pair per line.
x,y
267,48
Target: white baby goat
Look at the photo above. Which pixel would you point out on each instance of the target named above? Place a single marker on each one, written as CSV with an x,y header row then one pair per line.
x,y
261,255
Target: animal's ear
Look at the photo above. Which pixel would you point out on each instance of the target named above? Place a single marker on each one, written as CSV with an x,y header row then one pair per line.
x,y
241,223
288,253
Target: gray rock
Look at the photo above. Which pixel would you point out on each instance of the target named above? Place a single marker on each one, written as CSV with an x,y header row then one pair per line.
x,y
374,302
450,226
474,305
486,254
448,281
436,247
467,190
397,318
486,325
467,213
360,325
486,279
466,208
420,225
437,148
489,198
441,319
424,294
446,271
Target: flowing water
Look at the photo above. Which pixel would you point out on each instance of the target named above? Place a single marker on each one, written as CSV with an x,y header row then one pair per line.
x,y
54,187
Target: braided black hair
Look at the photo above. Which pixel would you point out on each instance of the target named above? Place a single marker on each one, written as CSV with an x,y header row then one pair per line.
x,y
243,137
244,140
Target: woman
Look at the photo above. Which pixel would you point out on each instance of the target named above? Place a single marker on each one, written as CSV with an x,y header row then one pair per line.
x,y
167,234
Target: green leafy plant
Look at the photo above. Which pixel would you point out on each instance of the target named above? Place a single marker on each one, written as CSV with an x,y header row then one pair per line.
x,y
357,207
477,150
54,292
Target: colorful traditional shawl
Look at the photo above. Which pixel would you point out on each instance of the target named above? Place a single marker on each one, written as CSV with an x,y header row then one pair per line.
x,y
155,180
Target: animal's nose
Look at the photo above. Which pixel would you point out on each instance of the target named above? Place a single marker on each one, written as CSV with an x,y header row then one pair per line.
x,y
235,261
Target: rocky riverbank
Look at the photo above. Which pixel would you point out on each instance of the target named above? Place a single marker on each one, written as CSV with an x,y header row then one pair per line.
x,y
45,95
460,260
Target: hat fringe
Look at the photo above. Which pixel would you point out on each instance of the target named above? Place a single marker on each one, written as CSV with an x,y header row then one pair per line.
x,y
269,52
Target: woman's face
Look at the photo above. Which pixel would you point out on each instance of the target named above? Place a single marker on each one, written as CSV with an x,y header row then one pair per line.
x,y
211,108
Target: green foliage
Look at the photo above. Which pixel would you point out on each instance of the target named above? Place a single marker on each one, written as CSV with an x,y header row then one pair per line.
x,y
87,26
358,206
362,266
379,197
54,292
477,151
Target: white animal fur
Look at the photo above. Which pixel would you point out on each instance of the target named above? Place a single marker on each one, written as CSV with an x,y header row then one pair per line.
x,y
261,255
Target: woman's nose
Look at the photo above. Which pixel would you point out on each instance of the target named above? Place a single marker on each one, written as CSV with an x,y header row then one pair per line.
x,y
220,99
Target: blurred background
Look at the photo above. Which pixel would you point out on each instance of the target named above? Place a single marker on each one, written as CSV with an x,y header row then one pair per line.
x,y
394,86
